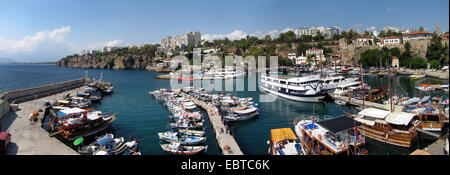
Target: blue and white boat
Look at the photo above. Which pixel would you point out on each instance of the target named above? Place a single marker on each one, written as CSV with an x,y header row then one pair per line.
x,y
171,136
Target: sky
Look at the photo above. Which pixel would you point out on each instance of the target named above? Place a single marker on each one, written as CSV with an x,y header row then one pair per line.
x,y
48,30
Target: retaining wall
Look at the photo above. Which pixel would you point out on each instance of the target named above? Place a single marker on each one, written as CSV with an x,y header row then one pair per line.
x,y
22,95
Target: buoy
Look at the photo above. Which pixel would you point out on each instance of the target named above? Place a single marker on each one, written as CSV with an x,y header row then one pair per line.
x,y
320,137
310,132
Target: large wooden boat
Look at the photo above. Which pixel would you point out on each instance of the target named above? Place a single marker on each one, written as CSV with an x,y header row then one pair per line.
x,y
75,122
396,128
431,122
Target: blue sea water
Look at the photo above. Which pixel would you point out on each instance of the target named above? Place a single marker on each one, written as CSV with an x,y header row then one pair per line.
x,y
141,116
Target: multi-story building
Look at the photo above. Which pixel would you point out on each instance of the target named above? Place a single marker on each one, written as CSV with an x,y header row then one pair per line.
x,y
365,40
188,39
315,51
313,31
390,40
301,60
306,31
416,36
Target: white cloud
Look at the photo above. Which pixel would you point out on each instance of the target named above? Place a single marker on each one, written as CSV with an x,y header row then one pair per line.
x,y
99,45
32,43
371,29
235,35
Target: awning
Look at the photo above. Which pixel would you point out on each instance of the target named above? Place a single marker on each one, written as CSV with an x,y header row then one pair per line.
x,y
72,111
364,121
375,113
281,134
399,118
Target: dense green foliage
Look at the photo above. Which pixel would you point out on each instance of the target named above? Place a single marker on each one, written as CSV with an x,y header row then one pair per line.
x,y
437,52
376,57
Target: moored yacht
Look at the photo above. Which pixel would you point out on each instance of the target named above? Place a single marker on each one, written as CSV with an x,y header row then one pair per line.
x,y
304,89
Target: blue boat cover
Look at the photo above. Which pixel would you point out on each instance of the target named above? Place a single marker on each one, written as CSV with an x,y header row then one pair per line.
x,y
310,126
105,140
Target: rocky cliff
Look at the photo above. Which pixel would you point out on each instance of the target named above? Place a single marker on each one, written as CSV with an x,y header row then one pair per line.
x,y
107,61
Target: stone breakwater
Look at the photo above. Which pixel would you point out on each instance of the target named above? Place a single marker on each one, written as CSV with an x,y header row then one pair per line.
x,y
429,73
22,95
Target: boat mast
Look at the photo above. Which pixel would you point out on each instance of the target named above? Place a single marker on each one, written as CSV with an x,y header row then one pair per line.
x,y
362,82
390,90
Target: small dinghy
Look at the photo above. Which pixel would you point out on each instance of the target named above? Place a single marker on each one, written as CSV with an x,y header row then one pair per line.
x,y
424,99
171,136
177,148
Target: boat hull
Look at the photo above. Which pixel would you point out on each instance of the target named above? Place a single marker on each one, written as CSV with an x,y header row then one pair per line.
x,y
312,99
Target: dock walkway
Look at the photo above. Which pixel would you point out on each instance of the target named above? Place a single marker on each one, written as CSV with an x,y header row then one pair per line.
x,y
223,139
357,102
30,138
437,148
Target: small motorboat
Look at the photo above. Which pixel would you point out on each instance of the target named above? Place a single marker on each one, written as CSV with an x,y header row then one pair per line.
x,y
186,124
417,76
192,132
177,148
107,142
171,136
425,88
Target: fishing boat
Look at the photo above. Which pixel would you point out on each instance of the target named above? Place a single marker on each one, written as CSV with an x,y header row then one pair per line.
x,y
196,116
192,132
431,122
105,142
410,101
186,124
395,128
417,76
336,136
75,122
171,136
177,148
303,89
424,99
242,113
283,141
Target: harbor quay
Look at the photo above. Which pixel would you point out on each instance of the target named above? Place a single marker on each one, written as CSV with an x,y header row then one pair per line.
x,y
29,138
226,141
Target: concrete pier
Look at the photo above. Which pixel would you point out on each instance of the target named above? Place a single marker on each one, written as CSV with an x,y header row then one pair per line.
x,y
29,138
437,148
436,74
223,139
357,102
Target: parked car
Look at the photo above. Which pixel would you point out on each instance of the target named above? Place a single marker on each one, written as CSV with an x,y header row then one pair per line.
x,y
5,138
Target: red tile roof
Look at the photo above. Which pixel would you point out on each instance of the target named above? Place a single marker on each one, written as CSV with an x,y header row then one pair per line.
x,y
417,32
365,37
392,37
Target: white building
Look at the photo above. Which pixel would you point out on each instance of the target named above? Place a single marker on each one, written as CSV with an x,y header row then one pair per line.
x,y
390,40
301,60
292,56
306,31
315,51
416,36
192,38
364,40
